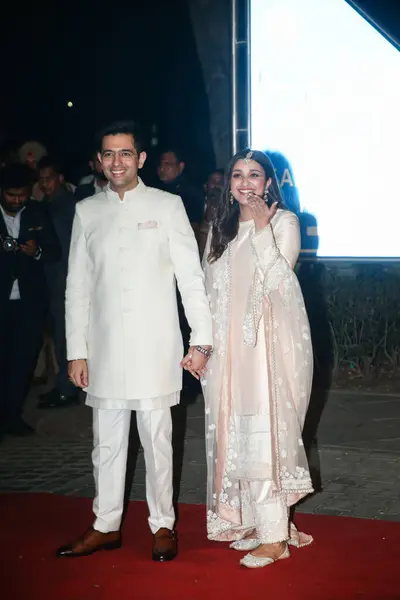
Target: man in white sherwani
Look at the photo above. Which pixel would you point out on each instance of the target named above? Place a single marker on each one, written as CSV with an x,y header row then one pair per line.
x,y
130,243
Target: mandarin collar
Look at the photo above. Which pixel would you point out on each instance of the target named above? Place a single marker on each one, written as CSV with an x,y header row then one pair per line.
x,y
128,196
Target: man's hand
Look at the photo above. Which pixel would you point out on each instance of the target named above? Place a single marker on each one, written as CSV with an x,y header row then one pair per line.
x,y
29,248
78,373
195,362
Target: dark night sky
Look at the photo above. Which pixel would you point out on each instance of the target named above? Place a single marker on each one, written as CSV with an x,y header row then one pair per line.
x,y
111,60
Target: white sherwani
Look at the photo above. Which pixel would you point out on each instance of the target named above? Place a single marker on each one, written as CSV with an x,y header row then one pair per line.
x,y
122,317
121,309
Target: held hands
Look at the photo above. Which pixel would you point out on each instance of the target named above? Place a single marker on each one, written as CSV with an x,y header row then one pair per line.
x,y
262,213
78,373
195,362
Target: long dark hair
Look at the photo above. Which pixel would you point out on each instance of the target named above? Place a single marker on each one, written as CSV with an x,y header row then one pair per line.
x,y
226,223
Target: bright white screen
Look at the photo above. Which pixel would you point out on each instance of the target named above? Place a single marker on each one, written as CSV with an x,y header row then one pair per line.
x,y
325,92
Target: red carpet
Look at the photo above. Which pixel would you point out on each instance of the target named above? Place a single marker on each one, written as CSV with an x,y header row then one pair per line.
x,y
350,559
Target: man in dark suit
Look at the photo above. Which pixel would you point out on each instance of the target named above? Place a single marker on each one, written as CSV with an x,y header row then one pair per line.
x,y
27,243
171,172
61,207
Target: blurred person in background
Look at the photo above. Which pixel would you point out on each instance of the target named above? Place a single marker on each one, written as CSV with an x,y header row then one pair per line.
x,y
94,183
213,189
27,243
171,172
30,154
61,205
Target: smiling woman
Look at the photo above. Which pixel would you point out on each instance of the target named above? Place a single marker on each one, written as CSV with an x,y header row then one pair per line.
x,y
258,382
250,172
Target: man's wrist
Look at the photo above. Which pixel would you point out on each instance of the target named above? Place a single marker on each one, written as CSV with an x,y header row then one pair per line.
x,y
205,350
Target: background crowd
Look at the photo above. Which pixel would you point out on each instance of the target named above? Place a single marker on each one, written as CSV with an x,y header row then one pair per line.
x,y
37,209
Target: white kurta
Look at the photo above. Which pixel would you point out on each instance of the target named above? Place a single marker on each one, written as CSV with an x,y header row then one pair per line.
x,y
121,306
140,404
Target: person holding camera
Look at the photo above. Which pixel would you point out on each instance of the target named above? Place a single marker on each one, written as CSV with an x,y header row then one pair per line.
x,y
27,242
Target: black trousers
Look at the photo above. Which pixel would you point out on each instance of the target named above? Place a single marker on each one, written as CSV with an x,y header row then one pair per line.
x,y
191,386
21,336
57,330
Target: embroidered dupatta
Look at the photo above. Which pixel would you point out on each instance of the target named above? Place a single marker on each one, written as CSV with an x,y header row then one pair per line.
x,y
240,447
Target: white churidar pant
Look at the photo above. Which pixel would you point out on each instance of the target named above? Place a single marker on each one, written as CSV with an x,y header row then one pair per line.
x,y
267,513
110,438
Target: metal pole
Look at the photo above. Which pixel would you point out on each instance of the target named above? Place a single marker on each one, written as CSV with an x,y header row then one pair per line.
x,y
234,76
248,33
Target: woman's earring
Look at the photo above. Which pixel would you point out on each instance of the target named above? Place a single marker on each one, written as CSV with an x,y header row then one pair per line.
x,y
265,194
231,198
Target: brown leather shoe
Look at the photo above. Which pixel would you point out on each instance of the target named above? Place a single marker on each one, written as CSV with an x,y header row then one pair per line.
x,y
165,545
92,541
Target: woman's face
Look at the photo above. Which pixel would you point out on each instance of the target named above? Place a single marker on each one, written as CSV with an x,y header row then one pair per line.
x,y
247,177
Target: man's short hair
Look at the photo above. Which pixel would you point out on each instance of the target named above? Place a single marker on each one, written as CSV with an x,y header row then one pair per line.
x,y
122,128
49,162
16,176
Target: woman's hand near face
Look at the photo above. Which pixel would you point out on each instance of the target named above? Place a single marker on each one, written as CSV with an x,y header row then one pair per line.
x,y
262,213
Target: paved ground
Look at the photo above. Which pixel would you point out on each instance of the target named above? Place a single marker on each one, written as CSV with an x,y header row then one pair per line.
x,y
355,455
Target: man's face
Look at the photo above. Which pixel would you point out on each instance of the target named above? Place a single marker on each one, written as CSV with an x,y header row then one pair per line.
x,y
215,182
169,168
14,199
50,181
120,161
31,161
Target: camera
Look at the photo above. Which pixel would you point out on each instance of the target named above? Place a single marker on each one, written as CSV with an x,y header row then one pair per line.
x,y
8,244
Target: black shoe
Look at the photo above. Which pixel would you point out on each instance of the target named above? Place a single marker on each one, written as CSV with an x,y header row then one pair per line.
x,y
19,428
54,399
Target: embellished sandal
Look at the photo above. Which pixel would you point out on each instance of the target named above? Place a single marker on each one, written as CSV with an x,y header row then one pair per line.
x,y
258,562
245,545
298,539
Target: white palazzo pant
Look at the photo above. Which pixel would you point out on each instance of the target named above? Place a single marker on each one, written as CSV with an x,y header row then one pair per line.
x,y
268,514
111,437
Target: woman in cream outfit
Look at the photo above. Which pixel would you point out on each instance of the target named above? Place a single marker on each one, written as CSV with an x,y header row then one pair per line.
x,y
257,386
